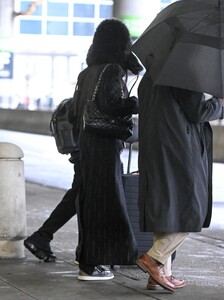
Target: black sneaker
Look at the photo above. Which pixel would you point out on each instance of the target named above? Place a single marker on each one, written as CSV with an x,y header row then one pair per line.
x,y
99,273
32,246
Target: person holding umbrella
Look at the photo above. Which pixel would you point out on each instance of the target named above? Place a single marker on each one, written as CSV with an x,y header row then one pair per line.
x,y
175,138
175,166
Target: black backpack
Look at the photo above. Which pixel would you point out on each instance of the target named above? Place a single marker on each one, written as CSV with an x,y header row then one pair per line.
x,y
65,132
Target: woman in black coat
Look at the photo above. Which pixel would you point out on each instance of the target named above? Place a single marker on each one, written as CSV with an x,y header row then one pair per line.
x,y
175,165
105,233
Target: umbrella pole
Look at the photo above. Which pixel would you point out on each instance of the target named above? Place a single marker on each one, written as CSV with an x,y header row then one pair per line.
x,y
218,3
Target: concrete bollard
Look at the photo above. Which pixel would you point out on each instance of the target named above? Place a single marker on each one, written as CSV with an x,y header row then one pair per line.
x,y
13,228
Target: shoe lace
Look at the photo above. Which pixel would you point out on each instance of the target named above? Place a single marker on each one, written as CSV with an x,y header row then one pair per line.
x,y
99,269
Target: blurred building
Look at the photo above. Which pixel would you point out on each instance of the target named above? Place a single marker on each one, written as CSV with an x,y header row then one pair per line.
x,y
43,44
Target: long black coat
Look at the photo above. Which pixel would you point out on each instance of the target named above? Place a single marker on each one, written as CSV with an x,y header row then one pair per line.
x,y
106,236
175,158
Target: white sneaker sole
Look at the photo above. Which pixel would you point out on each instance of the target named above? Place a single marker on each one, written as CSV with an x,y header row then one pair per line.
x,y
94,278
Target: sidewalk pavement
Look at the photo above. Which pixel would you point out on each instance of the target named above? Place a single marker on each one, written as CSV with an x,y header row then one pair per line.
x,y
200,261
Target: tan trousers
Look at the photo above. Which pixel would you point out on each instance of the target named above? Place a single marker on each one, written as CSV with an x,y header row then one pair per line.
x,y
163,247
168,267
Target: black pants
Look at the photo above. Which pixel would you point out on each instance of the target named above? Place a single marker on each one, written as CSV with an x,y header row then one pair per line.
x,y
66,209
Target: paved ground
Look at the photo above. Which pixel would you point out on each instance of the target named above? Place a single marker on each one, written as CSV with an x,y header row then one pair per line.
x,y
200,261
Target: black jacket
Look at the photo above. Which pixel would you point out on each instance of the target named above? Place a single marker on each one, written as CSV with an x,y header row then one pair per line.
x,y
175,158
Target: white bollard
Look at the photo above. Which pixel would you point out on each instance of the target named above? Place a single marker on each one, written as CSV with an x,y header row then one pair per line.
x,y
13,228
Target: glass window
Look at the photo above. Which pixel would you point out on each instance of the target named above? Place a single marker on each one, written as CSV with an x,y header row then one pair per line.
x,y
30,27
24,6
106,11
60,66
29,76
74,68
57,9
6,65
83,29
57,28
84,10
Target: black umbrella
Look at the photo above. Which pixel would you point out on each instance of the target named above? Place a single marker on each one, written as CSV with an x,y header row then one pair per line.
x,y
183,46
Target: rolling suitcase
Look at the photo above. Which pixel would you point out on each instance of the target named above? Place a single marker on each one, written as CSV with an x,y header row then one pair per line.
x,y
130,182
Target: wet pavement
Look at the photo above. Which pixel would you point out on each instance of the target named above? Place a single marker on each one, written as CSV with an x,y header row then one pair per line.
x,y
200,260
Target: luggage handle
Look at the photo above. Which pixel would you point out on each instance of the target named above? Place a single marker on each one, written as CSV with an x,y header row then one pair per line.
x,y
131,140
129,161
129,157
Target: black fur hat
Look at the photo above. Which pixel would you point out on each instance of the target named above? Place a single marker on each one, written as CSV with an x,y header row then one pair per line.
x,y
111,44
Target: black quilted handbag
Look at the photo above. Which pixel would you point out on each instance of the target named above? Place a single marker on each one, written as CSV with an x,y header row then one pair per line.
x,y
104,124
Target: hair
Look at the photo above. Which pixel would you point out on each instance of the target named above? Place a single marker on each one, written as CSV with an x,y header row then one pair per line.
x,y
111,44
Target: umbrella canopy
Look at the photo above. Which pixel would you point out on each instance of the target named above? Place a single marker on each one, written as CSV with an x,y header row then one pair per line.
x,y
183,46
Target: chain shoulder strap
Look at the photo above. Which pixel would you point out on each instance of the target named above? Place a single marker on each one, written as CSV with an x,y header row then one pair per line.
x,y
98,83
